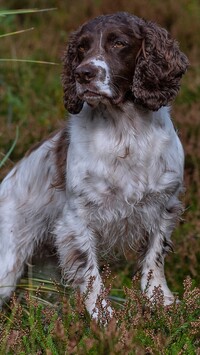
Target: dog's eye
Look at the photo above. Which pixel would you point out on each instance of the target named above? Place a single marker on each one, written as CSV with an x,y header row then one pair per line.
x,y
81,48
119,44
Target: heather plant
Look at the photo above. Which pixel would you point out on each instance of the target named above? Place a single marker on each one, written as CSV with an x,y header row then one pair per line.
x,y
138,326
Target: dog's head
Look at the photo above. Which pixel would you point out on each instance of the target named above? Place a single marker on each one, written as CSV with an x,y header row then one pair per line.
x,y
120,57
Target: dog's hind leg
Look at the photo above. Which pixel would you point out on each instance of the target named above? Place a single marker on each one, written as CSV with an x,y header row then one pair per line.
x,y
28,209
14,248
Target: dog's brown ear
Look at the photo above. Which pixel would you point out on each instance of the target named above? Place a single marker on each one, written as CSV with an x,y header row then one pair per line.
x,y
159,68
71,101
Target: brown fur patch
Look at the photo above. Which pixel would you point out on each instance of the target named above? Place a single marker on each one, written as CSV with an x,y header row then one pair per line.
x,y
60,154
79,256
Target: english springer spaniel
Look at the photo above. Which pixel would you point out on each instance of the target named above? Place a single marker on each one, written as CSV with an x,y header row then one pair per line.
x,y
112,176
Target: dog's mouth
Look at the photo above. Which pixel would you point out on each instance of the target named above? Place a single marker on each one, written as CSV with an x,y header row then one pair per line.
x,y
93,98
92,95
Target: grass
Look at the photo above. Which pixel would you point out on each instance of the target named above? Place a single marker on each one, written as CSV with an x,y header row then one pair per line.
x,y
43,317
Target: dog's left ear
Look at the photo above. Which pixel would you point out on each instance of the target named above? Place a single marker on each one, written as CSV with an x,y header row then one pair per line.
x,y
159,67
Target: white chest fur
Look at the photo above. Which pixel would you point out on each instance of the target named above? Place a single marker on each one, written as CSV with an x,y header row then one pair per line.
x,y
115,153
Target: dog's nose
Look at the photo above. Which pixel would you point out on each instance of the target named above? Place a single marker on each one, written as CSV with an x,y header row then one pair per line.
x,y
85,73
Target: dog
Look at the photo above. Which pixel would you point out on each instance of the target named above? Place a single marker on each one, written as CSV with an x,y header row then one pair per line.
x,y
113,174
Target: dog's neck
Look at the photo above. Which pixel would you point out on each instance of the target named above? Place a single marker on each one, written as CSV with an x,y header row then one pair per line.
x,y
124,116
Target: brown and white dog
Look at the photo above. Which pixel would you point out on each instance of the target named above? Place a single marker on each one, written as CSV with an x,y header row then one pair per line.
x,y
110,177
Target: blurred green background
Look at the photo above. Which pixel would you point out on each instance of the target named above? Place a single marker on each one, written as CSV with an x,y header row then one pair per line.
x,y
31,95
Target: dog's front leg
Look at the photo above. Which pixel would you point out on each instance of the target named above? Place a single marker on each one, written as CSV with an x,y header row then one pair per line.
x,y
77,251
153,270
158,245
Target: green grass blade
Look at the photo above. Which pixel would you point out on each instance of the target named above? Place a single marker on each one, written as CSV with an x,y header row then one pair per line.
x,y
25,11
16,32
27,61
2,162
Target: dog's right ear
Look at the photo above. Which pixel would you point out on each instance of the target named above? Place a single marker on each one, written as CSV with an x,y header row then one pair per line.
x,y
71,101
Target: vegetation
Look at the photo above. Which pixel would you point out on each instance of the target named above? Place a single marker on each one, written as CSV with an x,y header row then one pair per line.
x,y
55,322
138,327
